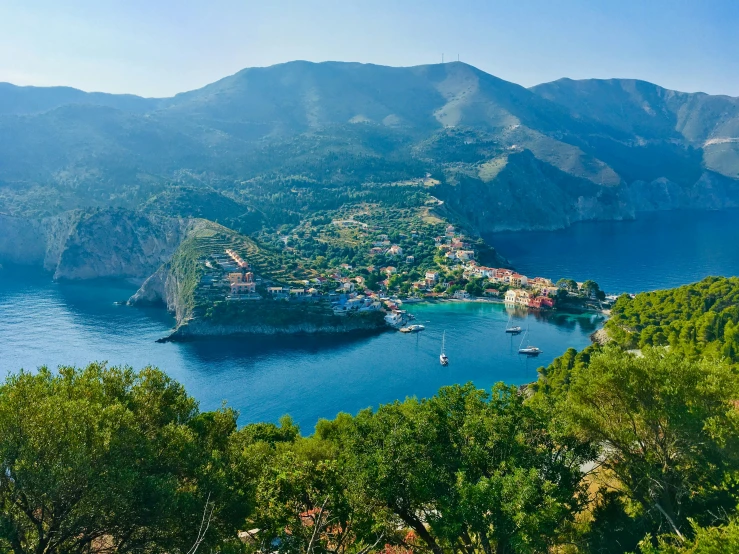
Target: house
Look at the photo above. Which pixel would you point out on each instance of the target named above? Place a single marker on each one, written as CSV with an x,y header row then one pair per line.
x,y
346,266
432,276
523,297
242,283
273,291
518,280
461,295
492,292
546,302
237,259
465,255
511,296
375,250
297,292
540,283
394,319
540,302
354,303
390,270
410,259
395,250
451,255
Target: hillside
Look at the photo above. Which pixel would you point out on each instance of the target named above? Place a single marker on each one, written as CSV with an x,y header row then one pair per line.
x,y
287,140
698,128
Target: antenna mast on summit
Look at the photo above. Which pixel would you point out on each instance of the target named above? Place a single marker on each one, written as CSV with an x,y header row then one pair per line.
x,y
442,57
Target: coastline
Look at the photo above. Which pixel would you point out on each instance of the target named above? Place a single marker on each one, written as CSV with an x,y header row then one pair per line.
x,y
199,330
568,309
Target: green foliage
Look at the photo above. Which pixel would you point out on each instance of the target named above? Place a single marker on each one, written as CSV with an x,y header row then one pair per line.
x,y
697,319
478,469
104,456
668,428
719,539
109,458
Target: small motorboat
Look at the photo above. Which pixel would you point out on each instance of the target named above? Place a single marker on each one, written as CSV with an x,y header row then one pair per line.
x,y
443,358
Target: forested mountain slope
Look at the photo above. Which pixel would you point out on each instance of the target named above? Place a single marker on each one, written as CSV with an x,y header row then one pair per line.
x,y
290,139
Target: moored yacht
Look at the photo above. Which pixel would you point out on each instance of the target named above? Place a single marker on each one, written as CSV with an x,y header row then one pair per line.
x,y
528,350
512,329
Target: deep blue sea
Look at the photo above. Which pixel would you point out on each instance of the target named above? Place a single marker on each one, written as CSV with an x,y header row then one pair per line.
x,y
48,323
657,250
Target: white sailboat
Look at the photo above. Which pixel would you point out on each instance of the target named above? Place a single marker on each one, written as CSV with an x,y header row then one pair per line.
x,y
512,329
443,358
528,350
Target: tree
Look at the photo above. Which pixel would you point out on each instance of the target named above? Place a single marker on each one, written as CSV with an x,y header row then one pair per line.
x,y
568,284
668,428
591,289
562,295
105,459
467,471
707,540
474,287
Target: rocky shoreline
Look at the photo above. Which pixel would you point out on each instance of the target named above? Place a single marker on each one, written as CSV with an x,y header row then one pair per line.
x,y
600,337
198,329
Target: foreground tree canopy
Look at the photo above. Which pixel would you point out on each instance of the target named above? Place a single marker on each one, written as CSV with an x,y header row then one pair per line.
x,y
610,451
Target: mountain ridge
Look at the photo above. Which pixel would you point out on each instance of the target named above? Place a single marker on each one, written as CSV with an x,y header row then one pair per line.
x,y
284,140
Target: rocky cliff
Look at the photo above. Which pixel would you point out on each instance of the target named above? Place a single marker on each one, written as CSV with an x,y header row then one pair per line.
x,y
164,288
110,243
711,191
120,244
519,192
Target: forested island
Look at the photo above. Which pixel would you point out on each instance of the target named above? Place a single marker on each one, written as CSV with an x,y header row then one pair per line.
x,y
628,446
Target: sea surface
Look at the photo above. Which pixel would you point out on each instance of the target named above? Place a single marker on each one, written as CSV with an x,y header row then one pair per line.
x,y
48,323
657,250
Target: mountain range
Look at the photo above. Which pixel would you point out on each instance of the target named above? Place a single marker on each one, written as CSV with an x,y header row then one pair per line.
x,y
285,140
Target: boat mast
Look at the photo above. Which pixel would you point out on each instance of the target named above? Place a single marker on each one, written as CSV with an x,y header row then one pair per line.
x,y
523,338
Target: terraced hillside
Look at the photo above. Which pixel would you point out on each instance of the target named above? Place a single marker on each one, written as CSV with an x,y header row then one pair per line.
x,y
198,270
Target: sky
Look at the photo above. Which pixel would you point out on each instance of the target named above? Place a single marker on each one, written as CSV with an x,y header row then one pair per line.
x,y
161,47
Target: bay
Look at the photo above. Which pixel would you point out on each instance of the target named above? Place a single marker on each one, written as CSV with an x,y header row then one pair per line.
x,y
657,250
52,324
47,323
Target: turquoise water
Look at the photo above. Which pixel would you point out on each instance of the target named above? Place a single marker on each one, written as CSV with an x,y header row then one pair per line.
x,y
42,322
657,250
47,323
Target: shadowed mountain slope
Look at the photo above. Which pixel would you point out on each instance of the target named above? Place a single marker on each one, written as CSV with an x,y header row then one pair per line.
x,y
283,139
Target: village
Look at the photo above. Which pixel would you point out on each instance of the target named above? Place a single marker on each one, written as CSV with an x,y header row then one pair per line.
x,y
456,275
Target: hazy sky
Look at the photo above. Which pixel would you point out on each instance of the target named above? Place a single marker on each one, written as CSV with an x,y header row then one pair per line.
x,y
160,47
